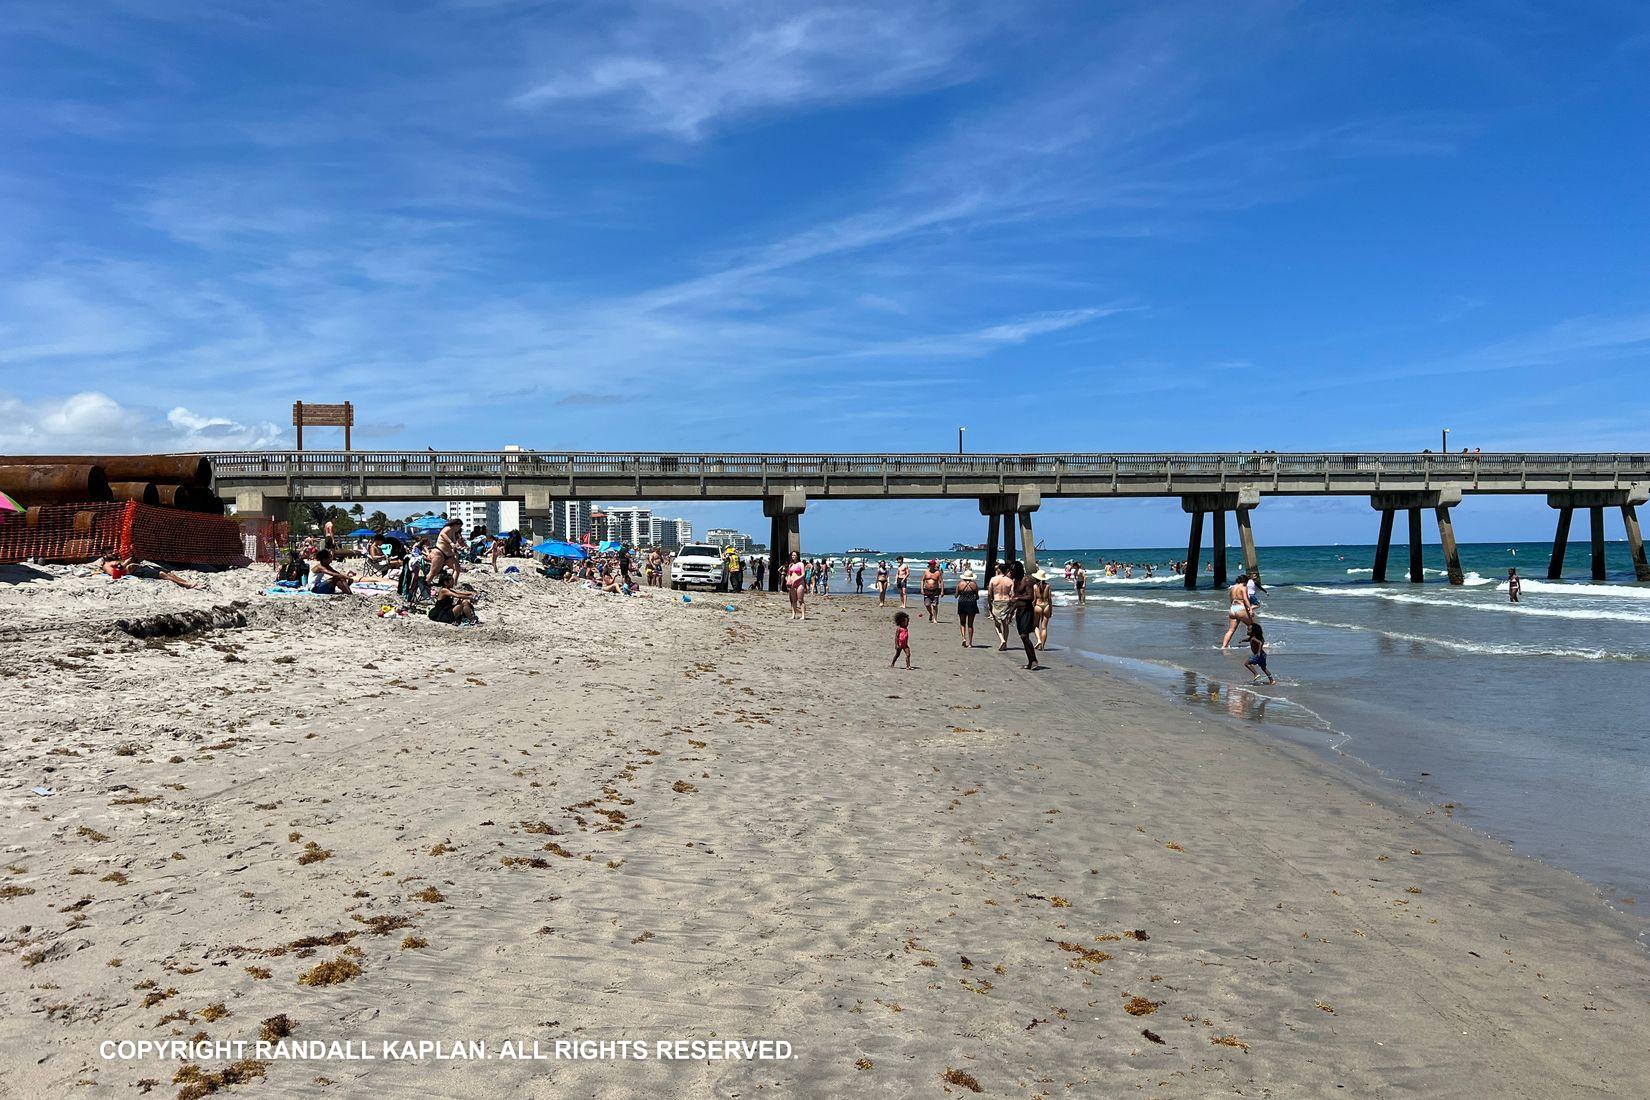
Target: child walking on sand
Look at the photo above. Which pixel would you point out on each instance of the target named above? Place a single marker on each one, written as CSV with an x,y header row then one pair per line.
x,y
902,638
1256,664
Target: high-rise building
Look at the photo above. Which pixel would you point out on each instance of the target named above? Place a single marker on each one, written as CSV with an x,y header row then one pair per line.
x,y
631,526
496,515
727,536
570,520
671,534
474,513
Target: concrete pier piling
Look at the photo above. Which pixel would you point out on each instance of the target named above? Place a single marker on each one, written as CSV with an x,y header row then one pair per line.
x,y
1561,544
784,511
1197,505
1635,542
1596,501
1007,511
993,532
1412,501
1383,546
1596,525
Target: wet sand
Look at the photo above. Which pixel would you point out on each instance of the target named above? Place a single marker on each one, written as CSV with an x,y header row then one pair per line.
x,y
596,818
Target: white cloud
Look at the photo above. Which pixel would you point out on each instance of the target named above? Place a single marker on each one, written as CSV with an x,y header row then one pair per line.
x,y
682,69
94,422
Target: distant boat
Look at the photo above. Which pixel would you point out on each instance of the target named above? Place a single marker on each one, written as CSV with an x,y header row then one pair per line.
x,y
861,550
959,547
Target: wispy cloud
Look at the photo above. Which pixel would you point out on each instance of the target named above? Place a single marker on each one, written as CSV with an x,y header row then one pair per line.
x,y
683,70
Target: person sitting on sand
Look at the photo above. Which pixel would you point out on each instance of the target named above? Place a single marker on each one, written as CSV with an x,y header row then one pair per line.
x,y
327,578
292,568
453,604
610,583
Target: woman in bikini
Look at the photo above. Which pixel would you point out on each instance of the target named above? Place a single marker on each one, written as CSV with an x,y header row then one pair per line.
x,y
796,583
968,605
1042,605
882,583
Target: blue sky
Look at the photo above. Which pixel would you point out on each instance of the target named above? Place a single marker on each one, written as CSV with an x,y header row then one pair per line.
x,y
845,226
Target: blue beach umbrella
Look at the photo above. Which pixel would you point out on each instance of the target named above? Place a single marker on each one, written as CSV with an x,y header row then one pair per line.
x,y
609,546
556,548
427,523
361,532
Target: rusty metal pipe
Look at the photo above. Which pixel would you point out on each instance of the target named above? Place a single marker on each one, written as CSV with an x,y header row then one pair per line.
x,y
64,483
161,469
144,492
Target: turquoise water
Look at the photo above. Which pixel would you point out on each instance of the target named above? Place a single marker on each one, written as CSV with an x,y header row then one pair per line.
x,y
1532,719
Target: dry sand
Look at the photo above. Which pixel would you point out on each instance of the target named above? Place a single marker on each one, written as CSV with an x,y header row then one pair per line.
x,y
598,818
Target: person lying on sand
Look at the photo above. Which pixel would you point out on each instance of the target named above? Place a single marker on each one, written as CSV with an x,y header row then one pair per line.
x,y
116,567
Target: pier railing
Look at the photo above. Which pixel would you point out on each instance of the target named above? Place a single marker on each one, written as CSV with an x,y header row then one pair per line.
x,y
1259,467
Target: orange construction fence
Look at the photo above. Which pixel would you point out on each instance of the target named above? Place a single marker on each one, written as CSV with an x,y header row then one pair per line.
x,y
81,532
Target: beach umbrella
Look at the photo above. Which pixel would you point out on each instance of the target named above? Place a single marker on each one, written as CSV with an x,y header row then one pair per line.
x,y
396,535
8,504
427,523
609,546
361,532
556,548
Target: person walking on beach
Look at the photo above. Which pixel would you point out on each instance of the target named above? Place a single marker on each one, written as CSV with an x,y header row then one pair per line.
x,y
902,578
1256,664
1022,599
1042,605
1515,587
859,577
758,568
902,638
999,592
1239,609
796,583
968,605
882,583
933,587
1080,580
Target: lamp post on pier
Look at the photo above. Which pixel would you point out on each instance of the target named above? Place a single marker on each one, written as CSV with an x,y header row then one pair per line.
x,y
1445,449
960,439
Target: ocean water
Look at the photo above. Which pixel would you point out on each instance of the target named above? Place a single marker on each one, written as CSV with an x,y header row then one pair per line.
x,y
1531,721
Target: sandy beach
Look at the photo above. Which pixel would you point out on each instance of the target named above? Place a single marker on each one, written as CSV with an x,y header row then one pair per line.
x,y
598,818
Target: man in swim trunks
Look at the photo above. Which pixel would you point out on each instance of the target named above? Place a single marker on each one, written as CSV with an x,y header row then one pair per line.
x,y
999,592
933,587
902,579
1239,609
1080,579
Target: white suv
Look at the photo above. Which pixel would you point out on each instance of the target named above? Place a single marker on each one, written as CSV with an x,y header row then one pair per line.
x,y
696,563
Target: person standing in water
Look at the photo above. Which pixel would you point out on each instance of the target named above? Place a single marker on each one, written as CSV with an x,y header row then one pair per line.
x,y
1515,587
968,605
1080,580
1238,609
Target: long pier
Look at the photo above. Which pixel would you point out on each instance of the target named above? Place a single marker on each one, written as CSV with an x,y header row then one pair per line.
x,y
1008,487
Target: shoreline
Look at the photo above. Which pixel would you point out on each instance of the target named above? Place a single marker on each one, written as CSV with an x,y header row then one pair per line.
x,y
871,873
